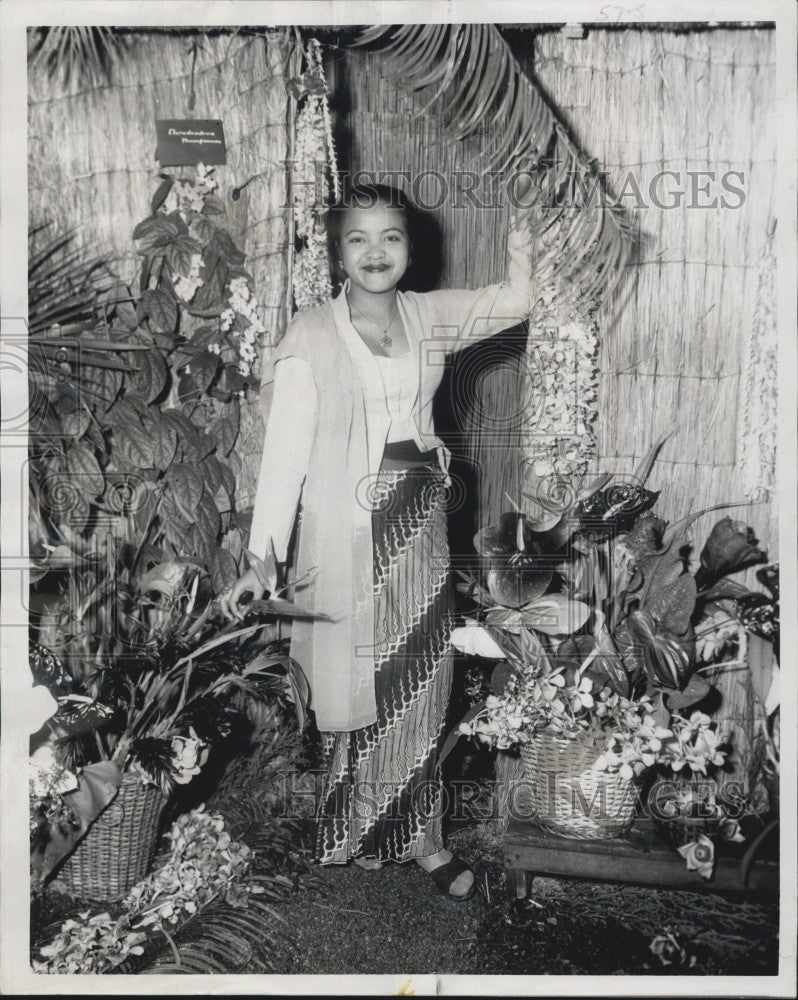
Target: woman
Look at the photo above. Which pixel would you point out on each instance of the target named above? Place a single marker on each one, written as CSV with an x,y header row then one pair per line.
x,y
348,393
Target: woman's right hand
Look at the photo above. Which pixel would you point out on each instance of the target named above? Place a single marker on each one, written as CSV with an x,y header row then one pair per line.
x,y
248,582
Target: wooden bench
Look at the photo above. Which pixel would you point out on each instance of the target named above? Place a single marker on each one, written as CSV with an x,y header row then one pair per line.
x,y
640,857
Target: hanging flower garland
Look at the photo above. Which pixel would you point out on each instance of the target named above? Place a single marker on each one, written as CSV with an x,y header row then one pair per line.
x,y
564,363
759,386
313,169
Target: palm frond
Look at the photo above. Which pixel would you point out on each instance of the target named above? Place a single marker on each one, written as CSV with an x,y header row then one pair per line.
x,y
65,282
222,938
467,76
78,55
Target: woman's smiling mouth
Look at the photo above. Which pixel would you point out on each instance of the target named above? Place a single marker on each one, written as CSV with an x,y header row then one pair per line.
x,y
376,267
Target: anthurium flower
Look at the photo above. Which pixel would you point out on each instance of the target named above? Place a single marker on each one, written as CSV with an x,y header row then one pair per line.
x,y
553,614
474,640
667,659
517,569
699,856
731,546
669,950
730,830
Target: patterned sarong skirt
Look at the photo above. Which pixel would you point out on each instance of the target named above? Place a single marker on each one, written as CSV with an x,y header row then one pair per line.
x,y
381,794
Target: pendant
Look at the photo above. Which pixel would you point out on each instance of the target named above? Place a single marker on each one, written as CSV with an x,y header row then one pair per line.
x,y
386,343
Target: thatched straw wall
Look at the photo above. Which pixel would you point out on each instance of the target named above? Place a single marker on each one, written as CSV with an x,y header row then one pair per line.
x,y
673,337
673,343
92,159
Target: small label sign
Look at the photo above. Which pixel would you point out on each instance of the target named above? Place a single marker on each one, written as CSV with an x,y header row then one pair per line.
x,y
186,142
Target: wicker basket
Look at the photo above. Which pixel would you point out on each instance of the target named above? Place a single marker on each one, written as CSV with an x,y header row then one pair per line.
x,y
569,796
119,847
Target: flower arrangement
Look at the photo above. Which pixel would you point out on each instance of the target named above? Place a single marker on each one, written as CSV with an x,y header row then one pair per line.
x,y
204,864
176,680
593,614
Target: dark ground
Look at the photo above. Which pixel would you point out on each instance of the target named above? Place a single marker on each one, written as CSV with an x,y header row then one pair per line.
x,y
395,921
343,919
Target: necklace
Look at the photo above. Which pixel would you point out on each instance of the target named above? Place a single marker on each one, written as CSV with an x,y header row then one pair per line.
x,y
386,342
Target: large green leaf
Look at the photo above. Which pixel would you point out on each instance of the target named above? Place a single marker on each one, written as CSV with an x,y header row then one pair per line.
x,y
186,488
156,232
225,433
161,193
180,252
82,464
149,375
164,443
203,369
97,787
76,424
134,446
160,308
187,434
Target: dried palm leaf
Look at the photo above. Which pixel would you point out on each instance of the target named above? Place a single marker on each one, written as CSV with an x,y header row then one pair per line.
x,y
467,76
76,56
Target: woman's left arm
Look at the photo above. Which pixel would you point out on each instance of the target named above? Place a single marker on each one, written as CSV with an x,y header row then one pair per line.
x,y
463,316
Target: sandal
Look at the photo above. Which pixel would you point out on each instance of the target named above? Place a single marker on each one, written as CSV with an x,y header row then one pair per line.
x,y
444,875
368,864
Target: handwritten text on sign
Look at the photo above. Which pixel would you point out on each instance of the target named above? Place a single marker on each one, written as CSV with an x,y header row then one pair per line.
x,y
183,142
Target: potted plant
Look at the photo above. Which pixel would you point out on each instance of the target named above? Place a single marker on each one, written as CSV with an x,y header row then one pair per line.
x,y
592,615
172,680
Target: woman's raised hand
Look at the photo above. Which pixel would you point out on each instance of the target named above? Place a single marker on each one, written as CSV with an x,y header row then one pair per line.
x,y
522,188
248,582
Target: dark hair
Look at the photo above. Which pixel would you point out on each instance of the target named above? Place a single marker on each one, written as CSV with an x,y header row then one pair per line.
x,y
367,196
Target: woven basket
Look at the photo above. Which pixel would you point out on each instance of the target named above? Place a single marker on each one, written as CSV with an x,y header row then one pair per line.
x,y
119,847
569,796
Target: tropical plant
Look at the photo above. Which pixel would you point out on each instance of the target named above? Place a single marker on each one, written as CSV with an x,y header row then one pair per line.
x,y
467,76
593,612
134,529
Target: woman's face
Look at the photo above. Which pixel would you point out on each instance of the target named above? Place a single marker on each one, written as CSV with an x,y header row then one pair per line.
x,y
375,247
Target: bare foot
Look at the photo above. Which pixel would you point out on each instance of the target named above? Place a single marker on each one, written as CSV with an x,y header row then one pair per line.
x,y
370,864
461,885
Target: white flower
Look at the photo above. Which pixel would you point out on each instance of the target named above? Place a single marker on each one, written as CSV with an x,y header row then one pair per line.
x,y
730,830
47,776
40,706
189,754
